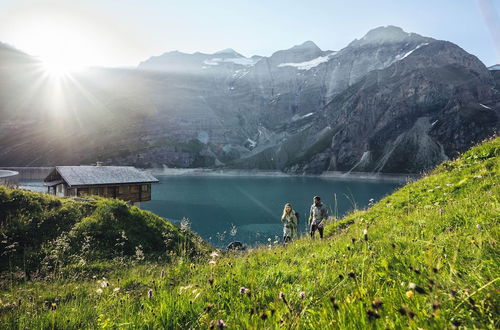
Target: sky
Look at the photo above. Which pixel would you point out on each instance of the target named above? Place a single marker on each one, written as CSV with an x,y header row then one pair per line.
x,y
126,32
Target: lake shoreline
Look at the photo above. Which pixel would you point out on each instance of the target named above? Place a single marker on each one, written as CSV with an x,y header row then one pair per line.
x,y
362,176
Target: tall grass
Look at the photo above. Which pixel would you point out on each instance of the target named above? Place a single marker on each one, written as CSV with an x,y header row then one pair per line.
x,y
423,257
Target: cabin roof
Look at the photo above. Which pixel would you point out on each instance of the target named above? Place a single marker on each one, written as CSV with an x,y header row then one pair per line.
x,y
100,175
53,183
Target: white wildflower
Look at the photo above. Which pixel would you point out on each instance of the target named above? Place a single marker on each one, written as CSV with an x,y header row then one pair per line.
x,y
184,288
214,254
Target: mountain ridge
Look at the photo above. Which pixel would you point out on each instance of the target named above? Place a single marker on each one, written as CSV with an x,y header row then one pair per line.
x,y
221,110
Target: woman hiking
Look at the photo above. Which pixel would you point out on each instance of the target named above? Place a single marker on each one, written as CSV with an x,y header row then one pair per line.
x,y
289,220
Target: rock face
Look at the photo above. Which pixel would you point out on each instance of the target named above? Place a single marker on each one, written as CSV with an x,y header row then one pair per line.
x,y
420,102
389,102
414,114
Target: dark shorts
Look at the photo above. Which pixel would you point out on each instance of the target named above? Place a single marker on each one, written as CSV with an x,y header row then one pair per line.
x,y
318,228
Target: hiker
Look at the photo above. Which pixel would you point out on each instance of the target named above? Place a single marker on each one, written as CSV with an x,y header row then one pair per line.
x,y
317,217
289,220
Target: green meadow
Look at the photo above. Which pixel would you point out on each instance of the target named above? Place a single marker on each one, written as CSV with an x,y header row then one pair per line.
x,y
424,257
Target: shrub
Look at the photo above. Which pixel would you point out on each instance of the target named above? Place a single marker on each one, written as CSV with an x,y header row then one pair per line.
x,y
42,232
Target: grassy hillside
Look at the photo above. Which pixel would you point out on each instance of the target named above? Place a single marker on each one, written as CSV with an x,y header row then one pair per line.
x,y
43,235
423,257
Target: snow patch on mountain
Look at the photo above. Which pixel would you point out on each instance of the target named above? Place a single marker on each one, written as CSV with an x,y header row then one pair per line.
x,y
400,57
251,143
298,117
236,60
240,73
309,64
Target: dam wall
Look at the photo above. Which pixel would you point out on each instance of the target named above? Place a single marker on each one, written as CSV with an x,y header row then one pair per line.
x,y
29,173
8,178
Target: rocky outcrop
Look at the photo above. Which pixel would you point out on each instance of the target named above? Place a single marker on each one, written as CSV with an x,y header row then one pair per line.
x,y
419,111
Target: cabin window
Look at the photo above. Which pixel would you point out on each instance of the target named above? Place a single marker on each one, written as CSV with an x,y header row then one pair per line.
x,y
101,191
93,191
59,188
144,187
134,189
123,189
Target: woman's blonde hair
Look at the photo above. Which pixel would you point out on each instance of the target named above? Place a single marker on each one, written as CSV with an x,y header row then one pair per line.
x,y
284,210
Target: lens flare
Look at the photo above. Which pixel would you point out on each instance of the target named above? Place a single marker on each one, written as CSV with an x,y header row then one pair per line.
x,y
58,68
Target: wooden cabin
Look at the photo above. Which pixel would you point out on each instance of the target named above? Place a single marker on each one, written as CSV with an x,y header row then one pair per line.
x,y
122,182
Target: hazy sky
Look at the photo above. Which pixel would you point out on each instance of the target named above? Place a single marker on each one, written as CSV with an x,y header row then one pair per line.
x,y
125,32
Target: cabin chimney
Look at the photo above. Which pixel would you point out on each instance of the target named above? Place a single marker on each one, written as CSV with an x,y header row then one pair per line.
x,y
98,164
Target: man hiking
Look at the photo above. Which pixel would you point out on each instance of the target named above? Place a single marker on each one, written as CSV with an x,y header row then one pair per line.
x,y
317,217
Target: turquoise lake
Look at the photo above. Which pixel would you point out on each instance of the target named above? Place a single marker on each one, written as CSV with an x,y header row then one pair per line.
x,y
248,209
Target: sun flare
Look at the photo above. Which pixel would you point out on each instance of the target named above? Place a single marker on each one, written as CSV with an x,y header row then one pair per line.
x,y
59,68
63,44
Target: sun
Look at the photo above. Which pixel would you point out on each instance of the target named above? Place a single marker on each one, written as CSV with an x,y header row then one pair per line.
x,y
60,44
58,68
67,35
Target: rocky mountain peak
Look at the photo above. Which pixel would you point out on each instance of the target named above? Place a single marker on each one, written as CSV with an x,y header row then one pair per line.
x,y
298,53
228,51
386,35
308,45
382,32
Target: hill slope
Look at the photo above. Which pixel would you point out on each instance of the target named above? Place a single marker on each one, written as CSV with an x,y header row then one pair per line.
x,y
41,235
428,259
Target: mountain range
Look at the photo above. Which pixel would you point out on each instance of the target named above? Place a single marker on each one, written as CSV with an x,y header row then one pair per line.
x,y
392,102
